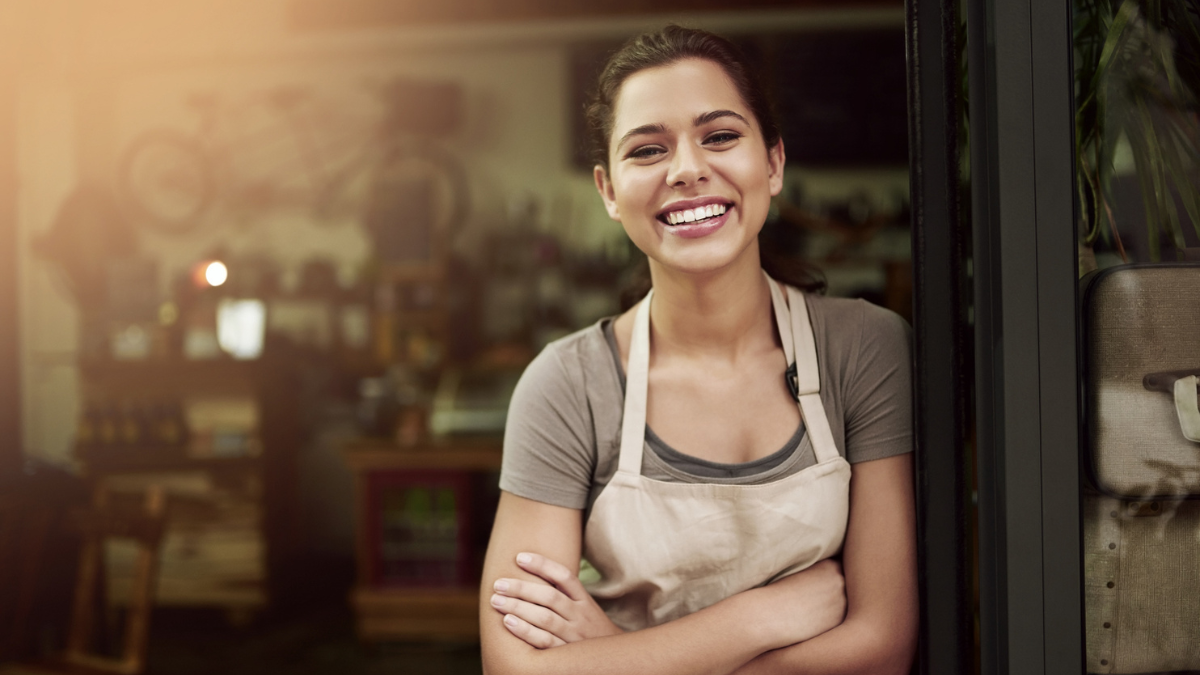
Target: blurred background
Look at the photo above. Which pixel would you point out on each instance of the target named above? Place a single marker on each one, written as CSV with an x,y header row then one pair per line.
x,y
271,269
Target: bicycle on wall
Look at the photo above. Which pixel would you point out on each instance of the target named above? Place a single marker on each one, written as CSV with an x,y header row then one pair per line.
x,y
281,149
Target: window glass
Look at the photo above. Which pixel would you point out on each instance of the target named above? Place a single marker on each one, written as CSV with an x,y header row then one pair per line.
x,y
1137,72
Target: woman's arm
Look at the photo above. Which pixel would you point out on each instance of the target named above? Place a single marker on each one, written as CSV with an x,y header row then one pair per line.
x,y
879,635
716,640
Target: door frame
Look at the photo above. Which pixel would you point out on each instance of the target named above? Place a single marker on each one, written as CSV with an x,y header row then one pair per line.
x,y
1026,375
942,346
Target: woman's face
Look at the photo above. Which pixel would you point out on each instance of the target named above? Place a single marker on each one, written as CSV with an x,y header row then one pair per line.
x,y
689,177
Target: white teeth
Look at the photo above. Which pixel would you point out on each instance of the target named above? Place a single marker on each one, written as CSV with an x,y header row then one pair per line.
x,y
692,215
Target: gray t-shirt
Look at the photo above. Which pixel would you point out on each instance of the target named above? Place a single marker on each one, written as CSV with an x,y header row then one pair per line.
x,y
563,435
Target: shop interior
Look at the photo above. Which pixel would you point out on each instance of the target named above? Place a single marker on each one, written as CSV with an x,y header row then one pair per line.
x,y
278,267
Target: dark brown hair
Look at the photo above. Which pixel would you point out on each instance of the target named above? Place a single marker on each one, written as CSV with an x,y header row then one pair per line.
x,y
663,48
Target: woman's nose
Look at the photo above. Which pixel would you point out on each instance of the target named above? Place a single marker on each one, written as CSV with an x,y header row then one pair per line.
x,y
687,166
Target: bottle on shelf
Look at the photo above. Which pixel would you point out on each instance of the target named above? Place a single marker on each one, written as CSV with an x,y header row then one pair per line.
x,y
108,432
87,428
170,425
130,425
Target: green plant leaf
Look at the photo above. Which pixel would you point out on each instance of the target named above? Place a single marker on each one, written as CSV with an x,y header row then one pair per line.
x,y
1182,153
1114,41
1141,161
1187,193
1098,206
1157,163
1129,10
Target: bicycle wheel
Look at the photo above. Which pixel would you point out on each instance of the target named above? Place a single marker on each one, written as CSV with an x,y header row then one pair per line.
x,y
167,180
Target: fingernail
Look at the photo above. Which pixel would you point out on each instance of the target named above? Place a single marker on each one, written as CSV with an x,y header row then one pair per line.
x,y
501,585
524,558
510,620
497,601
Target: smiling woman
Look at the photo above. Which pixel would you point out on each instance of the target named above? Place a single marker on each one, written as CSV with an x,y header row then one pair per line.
x,y
687,147
732,455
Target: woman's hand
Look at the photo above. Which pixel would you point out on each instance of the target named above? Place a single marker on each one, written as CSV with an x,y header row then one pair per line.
x,y
803,605
550,614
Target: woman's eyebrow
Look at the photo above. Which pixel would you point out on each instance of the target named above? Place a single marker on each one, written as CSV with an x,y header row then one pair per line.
x,y
705,118
655,128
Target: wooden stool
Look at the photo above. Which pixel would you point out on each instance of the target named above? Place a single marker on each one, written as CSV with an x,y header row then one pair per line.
x,y
102,522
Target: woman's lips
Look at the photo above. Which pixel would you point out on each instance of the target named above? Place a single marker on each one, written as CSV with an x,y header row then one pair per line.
x,y
699,229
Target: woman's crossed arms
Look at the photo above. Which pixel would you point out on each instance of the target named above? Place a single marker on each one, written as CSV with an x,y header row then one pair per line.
x,y
545,622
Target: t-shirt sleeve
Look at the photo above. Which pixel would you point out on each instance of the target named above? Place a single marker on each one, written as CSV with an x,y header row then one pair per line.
x,y
548,438
879,391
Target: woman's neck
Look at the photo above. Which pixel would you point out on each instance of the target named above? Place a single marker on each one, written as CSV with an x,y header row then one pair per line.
x,y
723,314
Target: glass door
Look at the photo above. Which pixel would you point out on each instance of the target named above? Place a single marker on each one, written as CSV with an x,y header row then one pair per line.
x,y
1137,73
1085,222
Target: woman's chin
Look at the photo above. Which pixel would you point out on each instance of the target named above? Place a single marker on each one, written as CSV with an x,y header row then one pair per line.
x,y
701,259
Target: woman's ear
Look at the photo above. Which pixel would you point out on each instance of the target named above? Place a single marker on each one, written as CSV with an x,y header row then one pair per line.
x,y
604,187
775,161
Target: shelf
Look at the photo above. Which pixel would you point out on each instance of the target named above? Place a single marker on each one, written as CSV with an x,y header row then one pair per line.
x,y
470,455
416,613
233,527
168,377
141,460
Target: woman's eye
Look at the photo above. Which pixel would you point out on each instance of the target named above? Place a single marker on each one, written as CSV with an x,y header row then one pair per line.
x,y
722,137
644,152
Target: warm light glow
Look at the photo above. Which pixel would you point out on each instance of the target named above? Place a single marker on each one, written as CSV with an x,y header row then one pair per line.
x,y
216,273
241,325
168,313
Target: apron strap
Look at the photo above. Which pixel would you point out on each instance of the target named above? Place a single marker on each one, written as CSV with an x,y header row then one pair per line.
x,y
633,425
783,320
808,379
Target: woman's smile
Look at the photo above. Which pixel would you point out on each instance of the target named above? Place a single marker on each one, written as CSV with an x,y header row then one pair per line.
x,y
695,218
692,210
704,223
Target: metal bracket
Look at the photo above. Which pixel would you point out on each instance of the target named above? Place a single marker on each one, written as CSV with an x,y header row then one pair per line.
x,y
792,378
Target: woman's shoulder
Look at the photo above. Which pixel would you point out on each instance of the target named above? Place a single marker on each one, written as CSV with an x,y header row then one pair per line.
x,y
581,344
842,319
568,360
549,436
856,338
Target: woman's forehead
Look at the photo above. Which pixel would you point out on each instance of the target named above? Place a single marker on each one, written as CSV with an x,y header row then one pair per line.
x,y
675,92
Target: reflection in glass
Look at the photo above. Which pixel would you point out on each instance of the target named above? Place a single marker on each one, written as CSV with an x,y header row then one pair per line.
x,y
1137,144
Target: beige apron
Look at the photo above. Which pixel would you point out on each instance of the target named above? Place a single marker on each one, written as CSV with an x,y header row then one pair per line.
x,y
665,550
